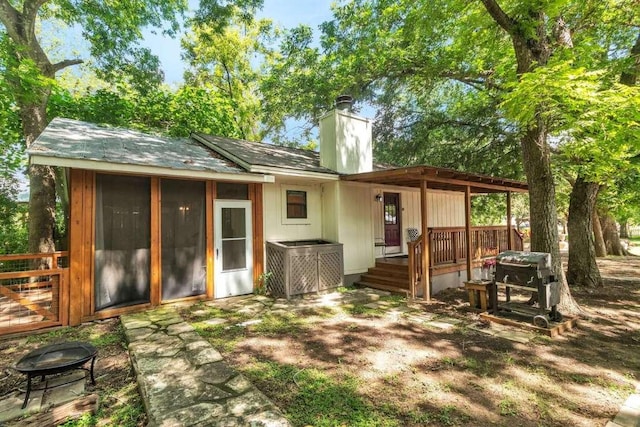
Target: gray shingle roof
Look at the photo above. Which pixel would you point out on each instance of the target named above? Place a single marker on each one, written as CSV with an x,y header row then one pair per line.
x,y
261,154
76,140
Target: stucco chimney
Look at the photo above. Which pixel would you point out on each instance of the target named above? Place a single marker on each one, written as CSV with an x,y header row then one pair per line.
x,y
345,139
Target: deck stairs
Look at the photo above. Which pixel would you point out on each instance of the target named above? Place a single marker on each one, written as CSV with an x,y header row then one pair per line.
x,y
389,274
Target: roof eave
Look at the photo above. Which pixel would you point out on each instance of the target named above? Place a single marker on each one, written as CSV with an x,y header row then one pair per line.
x,y
103,166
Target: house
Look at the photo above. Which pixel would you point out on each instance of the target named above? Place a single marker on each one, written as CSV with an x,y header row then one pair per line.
x,y
156,219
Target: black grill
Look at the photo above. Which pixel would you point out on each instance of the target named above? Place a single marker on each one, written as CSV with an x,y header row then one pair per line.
x,y
529,271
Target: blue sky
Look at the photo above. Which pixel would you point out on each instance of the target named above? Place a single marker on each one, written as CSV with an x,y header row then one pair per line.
x,y
285,13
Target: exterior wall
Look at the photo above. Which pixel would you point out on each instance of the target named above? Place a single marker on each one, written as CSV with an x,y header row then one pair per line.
x,y
330,211
82,244
356,227
346,142
276,225
446,209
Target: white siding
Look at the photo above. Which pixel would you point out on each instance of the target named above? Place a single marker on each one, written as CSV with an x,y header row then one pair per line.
x,y
348,213
275,222
330,211
355,227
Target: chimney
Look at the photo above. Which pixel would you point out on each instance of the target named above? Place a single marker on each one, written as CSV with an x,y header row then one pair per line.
x,y
345,139
344,102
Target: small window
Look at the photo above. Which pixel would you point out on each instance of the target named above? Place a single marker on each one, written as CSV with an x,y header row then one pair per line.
x,y
296,204
232,191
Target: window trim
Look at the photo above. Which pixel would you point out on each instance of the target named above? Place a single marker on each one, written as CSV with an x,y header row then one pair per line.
x,y
286,220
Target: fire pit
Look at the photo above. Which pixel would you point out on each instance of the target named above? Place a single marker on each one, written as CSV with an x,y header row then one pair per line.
x,y
55,359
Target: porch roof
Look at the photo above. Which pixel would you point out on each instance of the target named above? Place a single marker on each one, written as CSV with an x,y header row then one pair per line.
x,y
440,179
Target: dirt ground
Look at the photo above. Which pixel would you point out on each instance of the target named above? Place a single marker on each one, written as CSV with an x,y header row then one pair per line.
x,y
120,403
404,373
414,375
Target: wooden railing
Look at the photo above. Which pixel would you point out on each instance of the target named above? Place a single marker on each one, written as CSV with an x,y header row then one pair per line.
x,y
448,246
415,263
33,291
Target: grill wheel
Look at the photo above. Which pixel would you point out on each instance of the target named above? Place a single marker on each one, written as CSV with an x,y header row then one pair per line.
x,y
541,321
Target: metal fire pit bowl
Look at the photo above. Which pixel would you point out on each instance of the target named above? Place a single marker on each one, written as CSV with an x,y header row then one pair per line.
x,y
55,359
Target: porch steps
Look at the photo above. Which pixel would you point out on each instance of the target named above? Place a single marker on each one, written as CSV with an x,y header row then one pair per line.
x,y
387,276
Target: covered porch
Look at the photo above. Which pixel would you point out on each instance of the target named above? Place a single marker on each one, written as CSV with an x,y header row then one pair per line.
x,y
441,250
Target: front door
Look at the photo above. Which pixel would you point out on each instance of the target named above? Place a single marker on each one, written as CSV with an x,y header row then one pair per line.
x,y
392,227
233,248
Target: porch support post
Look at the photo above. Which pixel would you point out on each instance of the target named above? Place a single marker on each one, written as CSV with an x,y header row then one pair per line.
x,y
426,242
509,230
467,228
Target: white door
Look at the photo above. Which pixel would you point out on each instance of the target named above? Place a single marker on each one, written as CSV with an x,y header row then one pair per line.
x,y
233,248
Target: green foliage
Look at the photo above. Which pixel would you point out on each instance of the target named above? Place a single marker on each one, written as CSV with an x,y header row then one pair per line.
x,y
13,230
174,113
224,61
310,397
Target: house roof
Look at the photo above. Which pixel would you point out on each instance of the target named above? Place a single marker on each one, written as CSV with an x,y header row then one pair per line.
x,y
72,143
440,179
253,155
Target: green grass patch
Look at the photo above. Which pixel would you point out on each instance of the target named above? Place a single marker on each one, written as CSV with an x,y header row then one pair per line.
x,y
361,310
278,324
508,407
449,415
201,312
221,337
311,397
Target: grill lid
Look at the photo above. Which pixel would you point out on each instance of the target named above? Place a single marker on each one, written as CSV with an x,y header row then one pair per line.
x,y
537,260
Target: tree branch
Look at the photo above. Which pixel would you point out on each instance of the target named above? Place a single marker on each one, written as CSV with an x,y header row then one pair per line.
x,y
66,63
10,17
477,82
29,13
500,16
630,77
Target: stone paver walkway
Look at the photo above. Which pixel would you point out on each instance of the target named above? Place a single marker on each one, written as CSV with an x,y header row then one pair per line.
x,y
185,382
629,414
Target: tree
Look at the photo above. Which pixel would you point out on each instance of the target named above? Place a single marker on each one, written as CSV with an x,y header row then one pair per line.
x,y
112,31
224,61
450,79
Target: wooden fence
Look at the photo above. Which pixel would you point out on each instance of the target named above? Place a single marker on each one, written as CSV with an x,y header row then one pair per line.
x,y
34,291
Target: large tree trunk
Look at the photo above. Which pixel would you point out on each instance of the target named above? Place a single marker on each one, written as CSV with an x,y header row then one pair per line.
x,y
544,217
582,268
532,49
42,183
600,246
610,234
624,229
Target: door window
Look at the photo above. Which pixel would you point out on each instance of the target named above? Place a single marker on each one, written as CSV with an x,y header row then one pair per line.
x,y
234,239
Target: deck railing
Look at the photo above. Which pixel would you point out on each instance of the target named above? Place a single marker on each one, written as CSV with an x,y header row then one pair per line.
x,y
33,297
448,246
415,263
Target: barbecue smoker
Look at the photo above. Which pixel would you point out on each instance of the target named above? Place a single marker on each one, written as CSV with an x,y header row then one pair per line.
x,y
529,271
